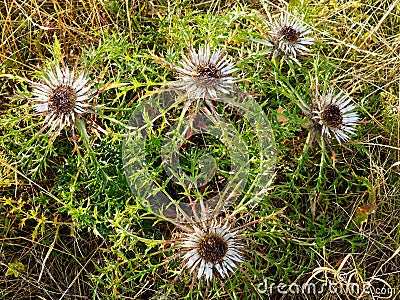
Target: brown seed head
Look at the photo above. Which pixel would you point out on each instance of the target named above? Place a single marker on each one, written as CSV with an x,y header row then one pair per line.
x,y
62,100
209,71
212,248
332,116
289,34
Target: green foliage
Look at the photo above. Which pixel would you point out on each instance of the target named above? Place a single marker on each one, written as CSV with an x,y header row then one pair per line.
x,y
70,209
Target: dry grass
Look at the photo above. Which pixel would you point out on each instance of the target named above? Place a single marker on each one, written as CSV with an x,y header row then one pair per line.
x,y
63,228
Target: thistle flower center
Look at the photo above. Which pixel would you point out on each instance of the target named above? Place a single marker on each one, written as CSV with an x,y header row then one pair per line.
x,y
62,100
210,71
290,34
332,116
212,248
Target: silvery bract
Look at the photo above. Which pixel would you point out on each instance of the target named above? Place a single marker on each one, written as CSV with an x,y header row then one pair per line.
x,y
211,247
204,73
63,97
335,114
288,37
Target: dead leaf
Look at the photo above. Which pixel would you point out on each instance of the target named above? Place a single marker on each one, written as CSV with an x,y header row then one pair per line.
x,y
333,158
362,213
281,117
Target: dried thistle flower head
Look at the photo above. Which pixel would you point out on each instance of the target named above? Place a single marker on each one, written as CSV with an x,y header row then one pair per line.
x,y
210,247
334,113
63,97
288,37
204,73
